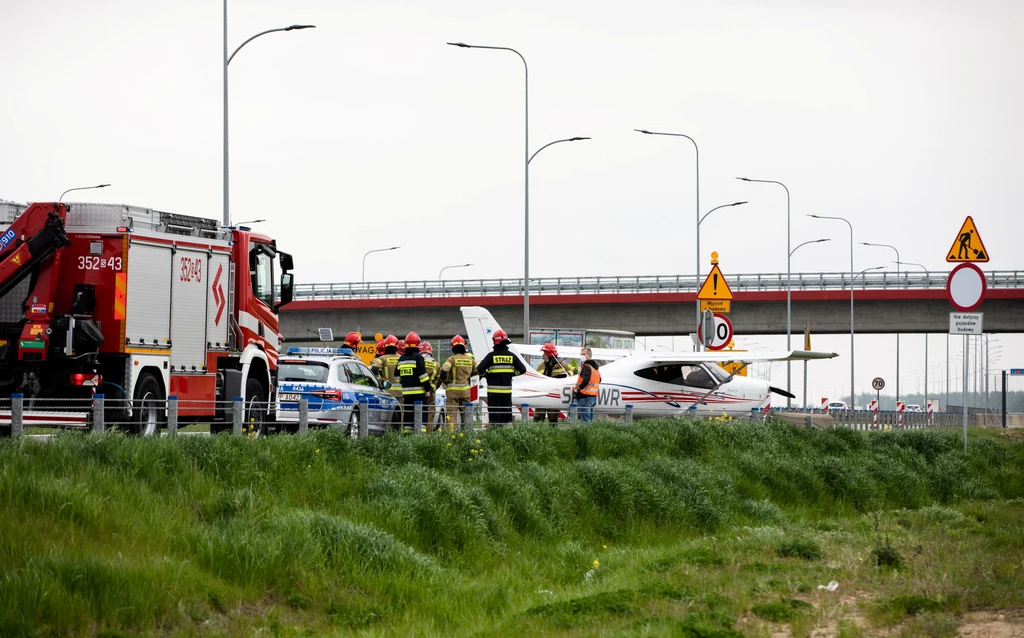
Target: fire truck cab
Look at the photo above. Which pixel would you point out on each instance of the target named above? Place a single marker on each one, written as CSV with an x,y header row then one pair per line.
x,y
140,305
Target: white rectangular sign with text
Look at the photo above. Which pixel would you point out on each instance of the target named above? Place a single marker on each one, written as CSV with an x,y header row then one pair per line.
x,y
965,323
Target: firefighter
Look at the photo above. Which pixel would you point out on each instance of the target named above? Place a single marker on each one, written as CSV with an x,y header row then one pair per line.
x,y
401,347
456,375
551,366
587,386
498,367
352,341
384,369
412,372
434,370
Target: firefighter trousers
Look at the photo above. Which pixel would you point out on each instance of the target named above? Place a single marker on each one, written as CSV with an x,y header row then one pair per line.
x,y
499,408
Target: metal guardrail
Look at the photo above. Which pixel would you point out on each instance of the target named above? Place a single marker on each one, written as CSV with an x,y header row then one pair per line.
x,y
638,284
100,414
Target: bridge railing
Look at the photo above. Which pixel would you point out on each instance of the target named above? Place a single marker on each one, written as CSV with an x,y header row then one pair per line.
x,y
638,284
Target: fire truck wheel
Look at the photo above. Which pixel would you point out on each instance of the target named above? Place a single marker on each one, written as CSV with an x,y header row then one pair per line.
x,y
148,414
255,423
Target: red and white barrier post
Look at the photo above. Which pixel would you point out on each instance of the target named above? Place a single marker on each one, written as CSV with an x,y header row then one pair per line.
x,y
873,406
824,405
900,408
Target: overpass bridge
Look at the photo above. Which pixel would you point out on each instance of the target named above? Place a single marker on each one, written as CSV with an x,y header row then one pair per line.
x,y
652,305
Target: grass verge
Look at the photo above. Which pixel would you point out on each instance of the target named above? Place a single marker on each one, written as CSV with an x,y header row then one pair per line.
x,y
655,528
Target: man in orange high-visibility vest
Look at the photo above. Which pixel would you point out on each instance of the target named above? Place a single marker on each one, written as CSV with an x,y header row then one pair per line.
x,y
587,386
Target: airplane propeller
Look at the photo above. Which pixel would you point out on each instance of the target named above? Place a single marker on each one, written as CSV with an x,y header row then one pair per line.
x,y
781,392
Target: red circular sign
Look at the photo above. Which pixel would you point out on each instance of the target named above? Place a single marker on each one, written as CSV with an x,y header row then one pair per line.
x,y
966,287
723,332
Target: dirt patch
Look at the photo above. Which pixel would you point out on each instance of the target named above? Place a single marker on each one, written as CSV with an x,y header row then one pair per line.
x,y
993,624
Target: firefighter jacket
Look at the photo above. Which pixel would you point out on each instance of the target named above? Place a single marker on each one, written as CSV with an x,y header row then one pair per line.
x,y
552,367
590,379
433,371
412,373
384,367
498,367
457,371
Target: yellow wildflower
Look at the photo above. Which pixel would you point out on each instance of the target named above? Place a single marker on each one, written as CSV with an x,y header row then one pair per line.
x,y
596,563
478,441
318,450
461,435
604,546
309,467
449,445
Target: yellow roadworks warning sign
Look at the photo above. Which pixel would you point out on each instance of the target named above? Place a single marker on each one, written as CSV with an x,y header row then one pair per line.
x,y
968,245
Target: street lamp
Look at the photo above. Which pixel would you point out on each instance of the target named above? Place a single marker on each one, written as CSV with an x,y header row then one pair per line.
x,y
921,266
80,188
227,61
699,222
789,305
375,250
453,266
812,241
696,164
251,221
898,262
526,178
852,391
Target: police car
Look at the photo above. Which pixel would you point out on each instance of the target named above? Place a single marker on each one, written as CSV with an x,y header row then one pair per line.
x,y
334,383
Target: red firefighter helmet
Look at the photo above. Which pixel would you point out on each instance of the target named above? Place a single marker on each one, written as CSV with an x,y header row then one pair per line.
x,y
426,348
391,340
401,346
380,347
500,336
412,340
352,340
457,340
549,349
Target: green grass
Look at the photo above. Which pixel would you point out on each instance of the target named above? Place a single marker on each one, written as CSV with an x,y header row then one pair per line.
x,y
656,528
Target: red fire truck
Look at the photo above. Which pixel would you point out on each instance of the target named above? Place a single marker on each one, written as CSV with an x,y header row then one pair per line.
x,y
138,304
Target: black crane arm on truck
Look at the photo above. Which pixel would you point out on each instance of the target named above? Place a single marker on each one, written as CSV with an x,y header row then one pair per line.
x,y
44,228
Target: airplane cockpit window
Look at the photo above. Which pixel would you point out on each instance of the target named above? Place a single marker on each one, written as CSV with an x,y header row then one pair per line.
x,y
693,376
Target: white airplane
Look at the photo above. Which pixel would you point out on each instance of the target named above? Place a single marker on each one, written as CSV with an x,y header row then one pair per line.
x,y
654,383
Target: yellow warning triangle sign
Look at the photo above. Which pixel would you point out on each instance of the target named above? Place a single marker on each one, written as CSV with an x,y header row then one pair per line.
x,y
715,286
968,245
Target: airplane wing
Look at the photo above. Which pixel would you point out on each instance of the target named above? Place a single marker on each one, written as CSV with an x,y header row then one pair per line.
x,y
722,356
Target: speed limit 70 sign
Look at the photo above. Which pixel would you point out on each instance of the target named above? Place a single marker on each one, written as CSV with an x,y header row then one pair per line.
x,y
722,334
878,383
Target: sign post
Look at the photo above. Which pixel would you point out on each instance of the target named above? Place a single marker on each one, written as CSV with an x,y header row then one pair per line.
x,y
965,288
715,295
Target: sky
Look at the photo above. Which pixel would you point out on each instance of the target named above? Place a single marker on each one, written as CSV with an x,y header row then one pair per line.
x,y
902,116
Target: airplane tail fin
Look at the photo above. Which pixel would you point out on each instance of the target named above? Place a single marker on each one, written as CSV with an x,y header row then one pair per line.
x,y
480,326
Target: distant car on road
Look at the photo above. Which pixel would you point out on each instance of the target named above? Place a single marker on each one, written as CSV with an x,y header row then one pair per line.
x,y
834,406
334,385
913,407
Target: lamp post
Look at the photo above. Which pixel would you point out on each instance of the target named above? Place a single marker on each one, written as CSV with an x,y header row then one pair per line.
x,y
452,266
699,222
227,61
898,263
251,221
843,219
375,250
696,164
526,178
853,279
80,188
921,266
813,241
789,305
